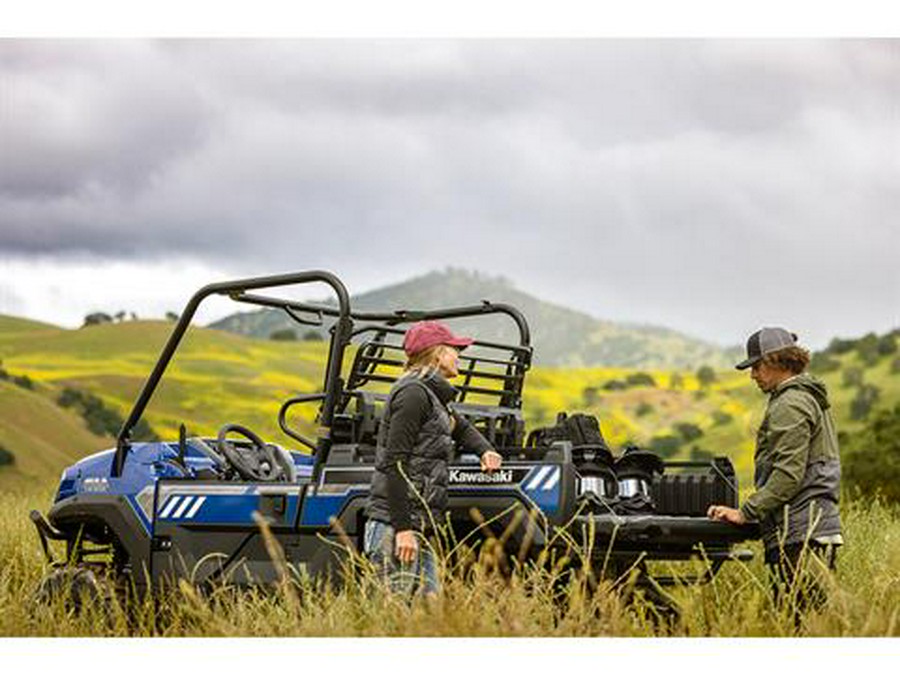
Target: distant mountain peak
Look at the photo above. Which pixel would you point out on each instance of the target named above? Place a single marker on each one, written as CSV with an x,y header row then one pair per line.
x,y
560,335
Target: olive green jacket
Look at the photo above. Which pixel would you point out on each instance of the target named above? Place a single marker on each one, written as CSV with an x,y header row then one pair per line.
x,y
797,466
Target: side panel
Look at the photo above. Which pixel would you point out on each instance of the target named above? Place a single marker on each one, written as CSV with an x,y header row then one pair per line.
x,y
547,489
204,531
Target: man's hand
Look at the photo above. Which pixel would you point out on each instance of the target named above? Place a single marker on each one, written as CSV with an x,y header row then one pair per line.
x,y
491,461
726,514
405,546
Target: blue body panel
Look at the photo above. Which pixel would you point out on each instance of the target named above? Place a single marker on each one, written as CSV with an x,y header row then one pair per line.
x,y
146,464
540,486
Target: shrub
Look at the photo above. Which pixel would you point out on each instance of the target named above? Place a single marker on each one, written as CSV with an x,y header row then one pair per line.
x,y
312,336
688,431
852,377
69,397
644,409
283,335
96,318
706,375
23,381
839,346
871,462
19,380
639,380
699,454
100,419
615,385
862,403
895,365
887,344
665,446
143,432
822,362
590,396
676,381
6,457
721,418
867,349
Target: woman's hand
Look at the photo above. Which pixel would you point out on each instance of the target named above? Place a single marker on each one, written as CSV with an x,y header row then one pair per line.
x,y
491,461
726,514
405,546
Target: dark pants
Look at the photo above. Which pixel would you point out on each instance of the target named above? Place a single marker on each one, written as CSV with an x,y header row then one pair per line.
x,y
796,570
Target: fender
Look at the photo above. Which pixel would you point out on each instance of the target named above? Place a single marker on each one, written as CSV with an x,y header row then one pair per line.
x,y
105,518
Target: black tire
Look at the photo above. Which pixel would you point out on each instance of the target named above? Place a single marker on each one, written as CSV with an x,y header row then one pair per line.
x,y
78,587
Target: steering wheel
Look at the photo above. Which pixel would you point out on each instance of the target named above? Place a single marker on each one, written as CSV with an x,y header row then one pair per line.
x,y
256,463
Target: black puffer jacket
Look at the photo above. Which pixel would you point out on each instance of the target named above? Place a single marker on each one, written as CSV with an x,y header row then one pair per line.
x,y
415,443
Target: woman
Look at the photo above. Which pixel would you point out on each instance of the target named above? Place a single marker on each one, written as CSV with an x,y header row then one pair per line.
x,y
418,431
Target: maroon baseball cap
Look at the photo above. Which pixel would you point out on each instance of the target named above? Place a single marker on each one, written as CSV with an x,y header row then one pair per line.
x,y
425,334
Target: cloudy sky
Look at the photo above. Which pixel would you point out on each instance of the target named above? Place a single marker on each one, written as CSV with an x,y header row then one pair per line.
x,y
712,186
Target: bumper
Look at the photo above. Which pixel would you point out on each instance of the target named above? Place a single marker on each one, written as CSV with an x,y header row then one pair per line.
x,y
671,536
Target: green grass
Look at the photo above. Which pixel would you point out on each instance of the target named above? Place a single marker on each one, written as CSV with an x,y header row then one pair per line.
x,y
864,598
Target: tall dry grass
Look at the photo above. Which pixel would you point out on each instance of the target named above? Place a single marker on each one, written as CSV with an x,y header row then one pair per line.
x,y
864,598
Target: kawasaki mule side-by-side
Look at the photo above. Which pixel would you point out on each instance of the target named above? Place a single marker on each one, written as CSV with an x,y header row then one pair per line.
x,y
189,508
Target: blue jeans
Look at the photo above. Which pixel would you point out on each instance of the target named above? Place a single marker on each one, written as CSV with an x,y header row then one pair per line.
x,y
406,578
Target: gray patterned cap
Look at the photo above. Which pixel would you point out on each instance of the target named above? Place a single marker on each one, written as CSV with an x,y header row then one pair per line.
x,y
765,341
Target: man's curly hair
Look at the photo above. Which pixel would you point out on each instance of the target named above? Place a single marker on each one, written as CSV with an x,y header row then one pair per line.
x,y
794,359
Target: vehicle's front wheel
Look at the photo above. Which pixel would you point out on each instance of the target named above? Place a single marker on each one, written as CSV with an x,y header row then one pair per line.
x,y
78,587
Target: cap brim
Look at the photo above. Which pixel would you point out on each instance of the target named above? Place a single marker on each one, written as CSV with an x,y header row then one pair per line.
x,y
746,363
460,342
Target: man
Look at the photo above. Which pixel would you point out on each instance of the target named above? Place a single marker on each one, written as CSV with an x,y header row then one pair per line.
x,y
408,499
797,463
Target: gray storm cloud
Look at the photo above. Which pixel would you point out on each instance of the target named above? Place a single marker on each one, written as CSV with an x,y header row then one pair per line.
x,y
706,185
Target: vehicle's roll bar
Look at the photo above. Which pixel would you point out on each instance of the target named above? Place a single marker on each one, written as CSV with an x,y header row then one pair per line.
x,y
236,289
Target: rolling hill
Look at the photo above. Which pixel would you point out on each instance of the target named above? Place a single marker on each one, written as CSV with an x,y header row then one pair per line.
x,y
219,377
561,336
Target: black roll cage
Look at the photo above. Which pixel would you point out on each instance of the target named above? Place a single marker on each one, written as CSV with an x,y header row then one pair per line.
x,y
341,334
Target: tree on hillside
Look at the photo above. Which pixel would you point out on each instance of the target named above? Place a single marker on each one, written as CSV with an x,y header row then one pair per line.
x,y
887,344
867,348
6,457
590,396
871,459
852,377
643,409
96,318
665,446
706,375
822,362
120,315
283,335
839,346
171,316
639,380
312,336
862,403
721,418
688,431
699,454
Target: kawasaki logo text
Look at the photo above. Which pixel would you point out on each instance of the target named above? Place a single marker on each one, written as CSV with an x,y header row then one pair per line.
x,y
463,476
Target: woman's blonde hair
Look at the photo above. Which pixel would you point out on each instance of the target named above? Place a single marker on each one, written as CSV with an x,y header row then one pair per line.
x,y
424,362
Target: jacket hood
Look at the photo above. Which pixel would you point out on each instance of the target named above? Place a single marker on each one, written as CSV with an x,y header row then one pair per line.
x,y
809,384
